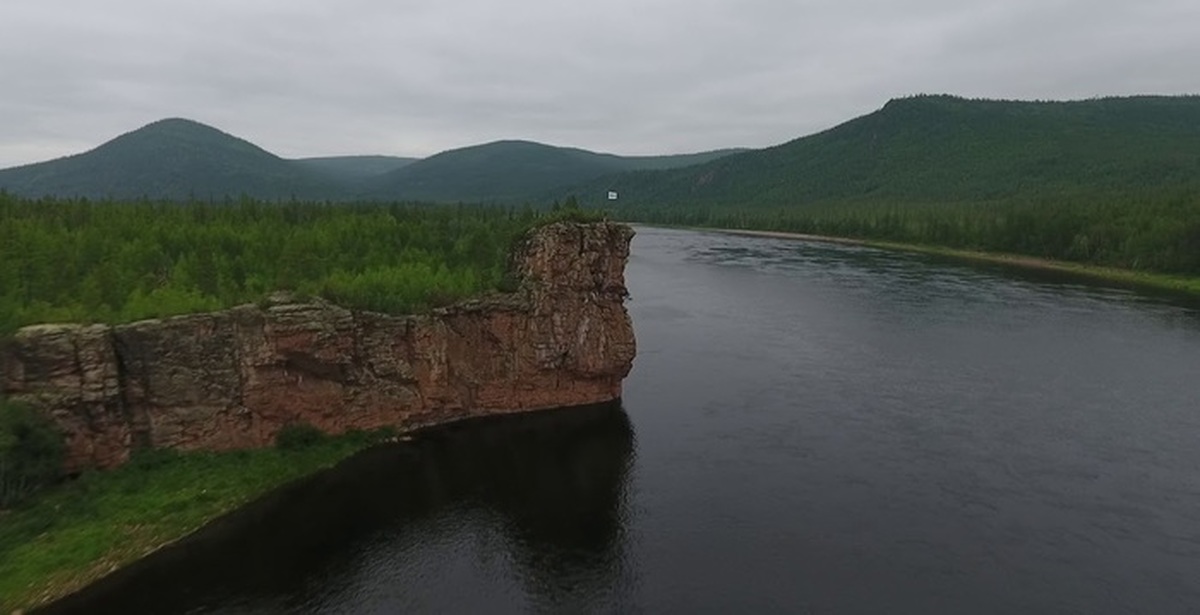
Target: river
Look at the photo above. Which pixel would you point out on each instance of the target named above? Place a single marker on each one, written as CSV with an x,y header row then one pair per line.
x,y
809,428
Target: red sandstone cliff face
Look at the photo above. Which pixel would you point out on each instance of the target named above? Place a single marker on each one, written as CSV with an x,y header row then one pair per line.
x,y
232,379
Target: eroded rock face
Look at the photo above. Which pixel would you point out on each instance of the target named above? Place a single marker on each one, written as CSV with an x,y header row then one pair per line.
x,y
232,379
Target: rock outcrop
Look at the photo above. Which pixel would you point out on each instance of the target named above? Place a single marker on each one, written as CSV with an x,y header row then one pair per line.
x,y
232,379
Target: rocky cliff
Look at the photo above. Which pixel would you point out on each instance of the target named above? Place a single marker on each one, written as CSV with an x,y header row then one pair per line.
x,y
232,379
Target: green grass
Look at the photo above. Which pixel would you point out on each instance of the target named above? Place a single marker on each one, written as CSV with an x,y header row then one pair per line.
x,y
74,533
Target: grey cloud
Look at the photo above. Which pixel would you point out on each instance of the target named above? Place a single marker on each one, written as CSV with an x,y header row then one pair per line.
x,y
308,77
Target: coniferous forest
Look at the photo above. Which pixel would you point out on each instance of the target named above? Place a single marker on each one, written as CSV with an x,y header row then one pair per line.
x,y
1151,231
65,260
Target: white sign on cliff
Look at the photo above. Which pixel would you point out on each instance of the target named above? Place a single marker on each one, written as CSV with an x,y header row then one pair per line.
x,y
612,195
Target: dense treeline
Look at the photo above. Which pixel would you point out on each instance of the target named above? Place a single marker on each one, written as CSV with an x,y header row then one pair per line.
x,y
1155,231
63,260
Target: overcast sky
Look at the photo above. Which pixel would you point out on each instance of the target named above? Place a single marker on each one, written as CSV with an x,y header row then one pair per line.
x,y
414,77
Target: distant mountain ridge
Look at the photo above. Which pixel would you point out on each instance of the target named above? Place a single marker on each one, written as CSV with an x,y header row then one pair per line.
x,y
916,149
179,159
508,171
947,149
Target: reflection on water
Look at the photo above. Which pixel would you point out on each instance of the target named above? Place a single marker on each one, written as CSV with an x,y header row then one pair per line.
x,y
536,500
878,272
837,429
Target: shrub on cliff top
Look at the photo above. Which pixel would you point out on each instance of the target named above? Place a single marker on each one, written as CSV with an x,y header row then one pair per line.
x,y
296,436
31,453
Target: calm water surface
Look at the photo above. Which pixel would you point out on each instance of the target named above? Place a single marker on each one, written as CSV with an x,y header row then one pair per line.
x,y
808,428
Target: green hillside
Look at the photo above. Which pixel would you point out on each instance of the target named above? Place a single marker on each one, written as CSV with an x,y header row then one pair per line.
x,y
946,149
509,171
172,159
179,159
1112,182
676,161
351,168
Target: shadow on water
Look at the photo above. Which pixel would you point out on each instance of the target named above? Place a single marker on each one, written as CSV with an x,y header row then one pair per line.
x,y
556,481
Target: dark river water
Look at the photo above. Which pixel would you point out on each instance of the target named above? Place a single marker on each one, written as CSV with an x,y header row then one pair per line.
x,y
809,428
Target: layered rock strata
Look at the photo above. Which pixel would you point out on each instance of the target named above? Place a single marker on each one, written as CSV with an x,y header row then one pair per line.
x,y
232,379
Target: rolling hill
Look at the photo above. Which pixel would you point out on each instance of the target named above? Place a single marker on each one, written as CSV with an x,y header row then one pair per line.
x,y
353,168
926,149
947,149
180,159
171,159
508,171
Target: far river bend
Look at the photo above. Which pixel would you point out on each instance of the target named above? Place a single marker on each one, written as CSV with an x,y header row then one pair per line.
x,y
809,428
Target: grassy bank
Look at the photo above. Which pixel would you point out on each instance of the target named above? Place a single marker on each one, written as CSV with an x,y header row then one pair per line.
x,y
72,534
1110,275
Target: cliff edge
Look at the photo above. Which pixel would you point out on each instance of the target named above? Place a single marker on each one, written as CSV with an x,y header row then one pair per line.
x,y
232,379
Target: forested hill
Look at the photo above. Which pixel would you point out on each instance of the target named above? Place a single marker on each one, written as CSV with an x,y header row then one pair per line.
x,y
948,149
924,149
179,159
509,171
351,168
172,159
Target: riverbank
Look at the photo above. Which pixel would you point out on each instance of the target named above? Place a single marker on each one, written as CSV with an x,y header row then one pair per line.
x,y
124,396
84,529
1110,275
264,556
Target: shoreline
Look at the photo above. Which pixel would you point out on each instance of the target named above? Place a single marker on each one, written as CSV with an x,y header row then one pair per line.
x,y
159,530
1112,275
143,509
214,493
